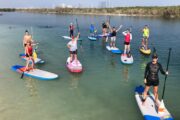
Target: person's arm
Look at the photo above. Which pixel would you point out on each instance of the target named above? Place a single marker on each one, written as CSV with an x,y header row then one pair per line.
x,y
124,33
119,28
108,25
130,36
68,45
77,37
161,69
146,71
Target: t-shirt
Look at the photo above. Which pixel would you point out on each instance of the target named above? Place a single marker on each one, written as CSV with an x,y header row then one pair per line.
x,y
146,32
73,45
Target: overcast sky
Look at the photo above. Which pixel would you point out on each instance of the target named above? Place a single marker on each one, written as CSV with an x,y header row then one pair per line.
x,y
84,3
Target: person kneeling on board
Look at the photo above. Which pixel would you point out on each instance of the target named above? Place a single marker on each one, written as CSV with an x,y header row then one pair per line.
x,y
72,45
29,55
151,77
127,40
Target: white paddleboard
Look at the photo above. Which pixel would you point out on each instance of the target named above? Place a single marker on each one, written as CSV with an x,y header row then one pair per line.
x,y
108,47
35,73
69,38
126,60
149,109
37,60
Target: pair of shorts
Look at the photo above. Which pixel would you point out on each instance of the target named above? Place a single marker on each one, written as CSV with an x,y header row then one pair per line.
x,y
145,37
28,55
152,82
73,52
25,45
126,43
113,39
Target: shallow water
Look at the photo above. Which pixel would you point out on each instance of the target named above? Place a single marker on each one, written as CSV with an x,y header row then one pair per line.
x,y
104,91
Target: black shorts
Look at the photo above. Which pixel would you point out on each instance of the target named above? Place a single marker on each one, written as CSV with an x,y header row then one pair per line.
x,y
152,82
126,43
25,45
73,52
28,55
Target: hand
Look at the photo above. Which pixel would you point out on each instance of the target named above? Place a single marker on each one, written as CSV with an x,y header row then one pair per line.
x,y
167,72
145,81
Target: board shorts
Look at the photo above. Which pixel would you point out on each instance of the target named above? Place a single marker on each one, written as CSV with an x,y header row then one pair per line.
x,y
28,55
25,45
126,43
73,52
113,39
71,33
152,82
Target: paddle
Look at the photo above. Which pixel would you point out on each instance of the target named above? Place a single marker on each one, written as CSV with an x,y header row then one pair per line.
x,y
162,106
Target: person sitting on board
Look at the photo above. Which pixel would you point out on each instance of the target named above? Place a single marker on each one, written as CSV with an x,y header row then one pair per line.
x,y
113,35
71,30
127,40
27,38
72,45
145,31
29,55
151,77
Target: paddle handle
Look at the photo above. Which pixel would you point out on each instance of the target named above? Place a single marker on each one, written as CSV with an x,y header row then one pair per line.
x,y
164,87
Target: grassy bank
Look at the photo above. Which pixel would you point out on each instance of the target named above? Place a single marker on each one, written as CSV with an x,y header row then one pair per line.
x,y
167,12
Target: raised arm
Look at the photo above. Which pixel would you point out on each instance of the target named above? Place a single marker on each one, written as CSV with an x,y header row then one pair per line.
x,y
77,37
119,28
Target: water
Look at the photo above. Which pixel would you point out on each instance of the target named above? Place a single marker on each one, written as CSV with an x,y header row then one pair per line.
x,y
104,91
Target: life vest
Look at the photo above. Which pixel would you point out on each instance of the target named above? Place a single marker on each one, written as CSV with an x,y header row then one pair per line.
x,y
146,32
71,27
127,37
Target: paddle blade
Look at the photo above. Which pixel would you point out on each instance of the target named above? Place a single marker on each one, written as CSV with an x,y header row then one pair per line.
x,y
161,108
22,75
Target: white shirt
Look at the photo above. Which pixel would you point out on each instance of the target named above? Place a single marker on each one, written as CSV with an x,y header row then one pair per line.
x,y
73,45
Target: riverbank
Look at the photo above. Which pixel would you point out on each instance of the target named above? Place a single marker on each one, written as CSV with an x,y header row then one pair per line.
x,y
167,12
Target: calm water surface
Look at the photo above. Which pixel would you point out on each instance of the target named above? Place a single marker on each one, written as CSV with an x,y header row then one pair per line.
x,y
104,91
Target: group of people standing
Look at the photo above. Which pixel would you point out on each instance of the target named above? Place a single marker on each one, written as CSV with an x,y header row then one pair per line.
x,y
152,69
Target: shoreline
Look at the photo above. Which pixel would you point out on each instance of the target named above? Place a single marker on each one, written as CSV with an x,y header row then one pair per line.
x,y
166,12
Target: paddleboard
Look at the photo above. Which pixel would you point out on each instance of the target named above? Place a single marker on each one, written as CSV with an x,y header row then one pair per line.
x,y
35,73
75,67
104,35
126,60
37,60
143,51
116,50
69,38
149,109
92,38
108,47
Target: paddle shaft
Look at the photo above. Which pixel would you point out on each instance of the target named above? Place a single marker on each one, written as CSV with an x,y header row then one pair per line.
x,y
164,87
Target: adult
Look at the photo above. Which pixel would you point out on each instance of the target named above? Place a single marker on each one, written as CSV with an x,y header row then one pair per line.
x,y
113,35
127,40
27,38
72,45
145,31
71,30
151,77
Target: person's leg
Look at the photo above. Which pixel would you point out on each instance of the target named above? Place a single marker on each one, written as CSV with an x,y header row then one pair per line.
x,y
114,42
125,48
27,64
32,65
71,57
128,47
155,90
145,93
146,43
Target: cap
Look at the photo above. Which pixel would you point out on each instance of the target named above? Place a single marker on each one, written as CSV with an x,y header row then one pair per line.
x,y
154,55
26,30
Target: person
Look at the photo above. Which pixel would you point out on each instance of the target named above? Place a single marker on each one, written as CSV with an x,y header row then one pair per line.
x,y
27,38
113,35
145,31
104,28
127,40
151,77
29,55
72,45
71,30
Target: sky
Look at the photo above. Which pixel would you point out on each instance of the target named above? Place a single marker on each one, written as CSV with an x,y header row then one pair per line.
x,y
83,3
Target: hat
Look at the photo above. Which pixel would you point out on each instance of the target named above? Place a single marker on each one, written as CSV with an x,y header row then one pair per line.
x,y
26,30
154,55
